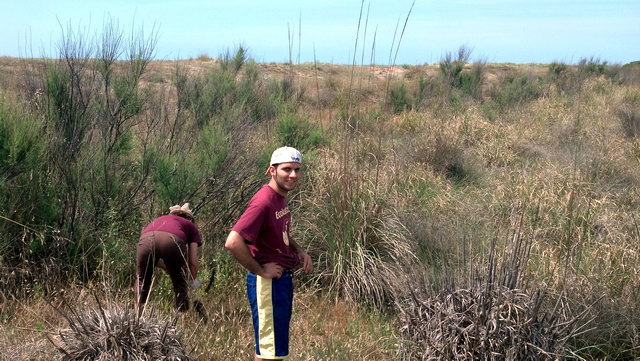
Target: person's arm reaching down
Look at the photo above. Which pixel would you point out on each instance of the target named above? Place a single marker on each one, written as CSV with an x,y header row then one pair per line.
x,y
193,259
305,259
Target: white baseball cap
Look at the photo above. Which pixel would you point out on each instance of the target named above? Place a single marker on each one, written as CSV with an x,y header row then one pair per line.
x,y
286,154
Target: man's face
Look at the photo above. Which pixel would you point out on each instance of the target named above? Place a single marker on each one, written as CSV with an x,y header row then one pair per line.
x,y
286,175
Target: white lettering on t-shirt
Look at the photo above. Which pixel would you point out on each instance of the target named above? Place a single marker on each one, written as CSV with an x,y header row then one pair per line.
x,y
281,213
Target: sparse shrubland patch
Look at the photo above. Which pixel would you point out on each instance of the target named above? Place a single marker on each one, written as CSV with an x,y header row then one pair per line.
x,y
409,171
629,114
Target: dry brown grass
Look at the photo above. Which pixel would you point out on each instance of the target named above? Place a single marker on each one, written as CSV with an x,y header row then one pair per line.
x,y
322,328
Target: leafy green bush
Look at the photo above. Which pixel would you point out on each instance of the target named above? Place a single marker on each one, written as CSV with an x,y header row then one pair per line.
x,y
593,66
237,88
299,132
515,91
399,99
28,200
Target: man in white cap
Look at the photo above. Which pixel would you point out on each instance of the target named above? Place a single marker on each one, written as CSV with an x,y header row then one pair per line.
x,y
261,243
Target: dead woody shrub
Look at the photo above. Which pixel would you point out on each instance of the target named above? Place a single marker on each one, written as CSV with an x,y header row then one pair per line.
x,y
113,332
490,316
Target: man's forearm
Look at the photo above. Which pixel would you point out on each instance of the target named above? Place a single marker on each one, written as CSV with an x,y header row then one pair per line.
x,y
305,259
235,244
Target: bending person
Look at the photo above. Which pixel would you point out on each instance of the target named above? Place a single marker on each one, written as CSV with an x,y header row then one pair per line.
x,y
169,242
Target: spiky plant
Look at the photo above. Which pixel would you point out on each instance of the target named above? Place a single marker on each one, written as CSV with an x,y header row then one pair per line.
x,y
489,315
113,332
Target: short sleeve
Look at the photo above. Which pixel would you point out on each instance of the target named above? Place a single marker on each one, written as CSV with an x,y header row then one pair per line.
x,y
196,236
249,224
193,233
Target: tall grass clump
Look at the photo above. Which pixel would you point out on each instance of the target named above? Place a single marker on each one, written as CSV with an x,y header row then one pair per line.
x,y
351,222
359,244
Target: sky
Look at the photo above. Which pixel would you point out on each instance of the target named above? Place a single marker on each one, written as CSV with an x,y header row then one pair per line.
x,y
497,31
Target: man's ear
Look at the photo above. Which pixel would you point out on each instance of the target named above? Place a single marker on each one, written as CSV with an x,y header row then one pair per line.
x,y
271,170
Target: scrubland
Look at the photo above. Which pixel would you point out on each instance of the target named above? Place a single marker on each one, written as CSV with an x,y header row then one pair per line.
x,y
461,210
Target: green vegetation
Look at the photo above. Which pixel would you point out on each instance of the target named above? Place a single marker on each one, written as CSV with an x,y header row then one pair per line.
x,y
511,190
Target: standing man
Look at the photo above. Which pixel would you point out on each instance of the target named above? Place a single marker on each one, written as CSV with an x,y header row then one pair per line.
x,y
261,242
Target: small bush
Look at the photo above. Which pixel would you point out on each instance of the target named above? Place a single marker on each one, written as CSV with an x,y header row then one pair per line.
x,y
516,90
116,333
557,70
482,312
593,66
299,132
562,76
399,99
233,62
455,73
481,323
455,84
471,82
203,56
451,67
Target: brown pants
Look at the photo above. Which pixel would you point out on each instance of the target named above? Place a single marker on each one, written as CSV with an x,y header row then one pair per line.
x,y
157,245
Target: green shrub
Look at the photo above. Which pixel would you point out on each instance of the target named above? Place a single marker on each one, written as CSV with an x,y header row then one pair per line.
x,y
451,67
399,99
299,132
557,70
235,88
471,82
28,200
568,79
515,91
454,85
595,67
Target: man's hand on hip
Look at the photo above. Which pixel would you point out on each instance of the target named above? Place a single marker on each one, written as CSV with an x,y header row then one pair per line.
x,y
271,270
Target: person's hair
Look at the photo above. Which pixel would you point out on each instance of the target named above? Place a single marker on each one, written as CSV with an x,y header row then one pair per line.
x,y
183,214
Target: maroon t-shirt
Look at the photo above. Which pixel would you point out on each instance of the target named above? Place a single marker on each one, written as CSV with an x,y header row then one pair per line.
x,y
265,226
181,227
